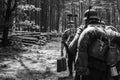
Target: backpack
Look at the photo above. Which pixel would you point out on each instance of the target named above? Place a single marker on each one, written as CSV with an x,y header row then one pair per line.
x,y
113,54
98,48
97,53
104,55
113,59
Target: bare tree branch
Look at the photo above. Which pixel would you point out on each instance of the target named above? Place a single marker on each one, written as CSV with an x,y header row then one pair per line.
x,y
8,8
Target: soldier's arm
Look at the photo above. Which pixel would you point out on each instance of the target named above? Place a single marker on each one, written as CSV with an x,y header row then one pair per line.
x,y
73,44
64,39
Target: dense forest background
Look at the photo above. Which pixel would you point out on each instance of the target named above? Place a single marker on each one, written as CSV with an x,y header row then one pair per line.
x,y
52,15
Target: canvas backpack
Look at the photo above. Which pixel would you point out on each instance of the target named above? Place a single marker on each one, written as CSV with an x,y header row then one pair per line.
x,y
97,53
98,49
104,55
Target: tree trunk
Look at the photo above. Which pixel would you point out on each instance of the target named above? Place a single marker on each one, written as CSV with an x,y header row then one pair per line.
x,y
6,29
44,9
6,24
118,8
5,35
108,16
42,16
58,19
113,15
54,21
50,18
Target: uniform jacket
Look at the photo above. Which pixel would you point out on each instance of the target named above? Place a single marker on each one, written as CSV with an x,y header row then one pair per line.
x,y
91,33
73,44
67,37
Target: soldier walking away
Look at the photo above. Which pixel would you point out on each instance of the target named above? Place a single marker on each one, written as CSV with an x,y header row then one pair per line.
x,y
67,37
73,45
95,56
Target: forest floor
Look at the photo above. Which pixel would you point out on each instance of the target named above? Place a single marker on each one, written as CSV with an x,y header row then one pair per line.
x,y
35,63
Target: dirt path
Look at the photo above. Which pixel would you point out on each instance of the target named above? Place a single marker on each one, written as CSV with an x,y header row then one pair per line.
x,y
35,64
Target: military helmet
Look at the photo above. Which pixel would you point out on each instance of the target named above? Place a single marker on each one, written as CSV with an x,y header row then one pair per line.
x,y
91,18
90,12
91,15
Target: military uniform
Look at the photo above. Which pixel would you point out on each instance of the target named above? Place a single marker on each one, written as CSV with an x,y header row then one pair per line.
x,y
90,16
89,63
92,47
67,37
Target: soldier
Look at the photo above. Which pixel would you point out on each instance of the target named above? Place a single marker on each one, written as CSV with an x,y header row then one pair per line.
x,y
90,15
93,59
67,37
